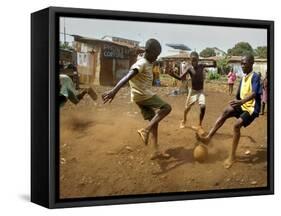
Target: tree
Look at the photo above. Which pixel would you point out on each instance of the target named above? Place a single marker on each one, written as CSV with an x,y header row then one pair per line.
x,y
261,52
207,52
223,66
65,46
240,49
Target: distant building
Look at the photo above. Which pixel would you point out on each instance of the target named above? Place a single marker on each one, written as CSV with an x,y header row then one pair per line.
x,y
219,52
176,59
121,40
103,62
260,65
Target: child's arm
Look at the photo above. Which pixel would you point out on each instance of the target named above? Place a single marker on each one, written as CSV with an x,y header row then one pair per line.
x,y
109,96
172,74
255,91
237,103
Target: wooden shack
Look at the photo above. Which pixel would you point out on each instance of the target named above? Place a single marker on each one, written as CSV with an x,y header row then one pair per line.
x,y
103,62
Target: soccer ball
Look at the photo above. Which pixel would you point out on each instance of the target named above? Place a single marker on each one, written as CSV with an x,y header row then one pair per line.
x,y
200,153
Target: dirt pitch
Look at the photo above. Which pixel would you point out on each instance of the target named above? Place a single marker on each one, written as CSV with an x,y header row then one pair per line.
x,y
101,153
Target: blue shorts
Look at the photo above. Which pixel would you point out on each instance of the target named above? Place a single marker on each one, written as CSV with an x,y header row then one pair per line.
x,y
245,116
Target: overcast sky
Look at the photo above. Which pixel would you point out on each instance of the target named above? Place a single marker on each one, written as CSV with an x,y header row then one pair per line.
x,y
197,37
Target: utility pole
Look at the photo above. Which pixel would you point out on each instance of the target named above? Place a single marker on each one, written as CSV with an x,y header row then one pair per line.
x,y
64,32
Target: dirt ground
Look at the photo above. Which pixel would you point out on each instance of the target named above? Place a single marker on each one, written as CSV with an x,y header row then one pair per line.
x,y
101,153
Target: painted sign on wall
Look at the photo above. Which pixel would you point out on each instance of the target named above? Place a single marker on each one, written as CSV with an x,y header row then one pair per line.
x,y
111,51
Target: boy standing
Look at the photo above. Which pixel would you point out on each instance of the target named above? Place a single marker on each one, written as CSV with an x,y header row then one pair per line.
x,y
245,107
196,72
140,78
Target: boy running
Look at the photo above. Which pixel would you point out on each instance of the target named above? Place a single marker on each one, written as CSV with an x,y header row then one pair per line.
x,y
140,78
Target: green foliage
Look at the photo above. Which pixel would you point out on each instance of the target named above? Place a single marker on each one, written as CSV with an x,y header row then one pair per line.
x,y
213,75
241,49
65,46
261,52
207,52
223,66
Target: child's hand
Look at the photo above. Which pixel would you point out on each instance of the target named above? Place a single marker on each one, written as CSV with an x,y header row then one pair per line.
x,y
235,103
108,96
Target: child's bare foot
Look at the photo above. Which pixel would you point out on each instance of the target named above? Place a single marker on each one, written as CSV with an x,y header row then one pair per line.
x,y
160,155
197,128
144,134
200,131
203,139
182,124
228,162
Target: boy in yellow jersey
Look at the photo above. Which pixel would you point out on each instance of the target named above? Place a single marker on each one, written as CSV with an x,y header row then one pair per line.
x,y
245,107
152,107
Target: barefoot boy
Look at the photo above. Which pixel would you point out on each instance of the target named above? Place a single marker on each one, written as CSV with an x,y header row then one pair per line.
x,y
245,108
196,72
140,78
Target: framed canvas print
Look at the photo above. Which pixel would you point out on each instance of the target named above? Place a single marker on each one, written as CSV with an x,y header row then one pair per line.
x,y
138,107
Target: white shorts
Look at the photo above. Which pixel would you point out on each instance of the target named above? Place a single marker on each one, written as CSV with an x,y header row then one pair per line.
x,y
193,96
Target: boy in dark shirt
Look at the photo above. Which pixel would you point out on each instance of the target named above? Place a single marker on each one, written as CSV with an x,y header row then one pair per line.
x,y
196,72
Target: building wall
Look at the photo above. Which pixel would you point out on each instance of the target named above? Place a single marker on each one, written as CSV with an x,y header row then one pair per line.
x,y
115,63
257,67
86,62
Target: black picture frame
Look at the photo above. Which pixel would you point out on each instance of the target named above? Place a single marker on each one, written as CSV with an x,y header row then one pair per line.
x,y
45,109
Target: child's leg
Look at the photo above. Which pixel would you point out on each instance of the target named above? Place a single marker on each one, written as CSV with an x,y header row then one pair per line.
x,y
188,104
154,138
262,108
81,94
185,112
202,113
231,89
236,136
202,104
148,112
227,113
162,113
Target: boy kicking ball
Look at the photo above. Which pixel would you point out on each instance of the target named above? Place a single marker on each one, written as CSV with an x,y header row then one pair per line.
x,y
153,108
245,107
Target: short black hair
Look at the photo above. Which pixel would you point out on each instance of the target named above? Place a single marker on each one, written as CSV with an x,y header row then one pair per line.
x,y
153,44
250,57
194,54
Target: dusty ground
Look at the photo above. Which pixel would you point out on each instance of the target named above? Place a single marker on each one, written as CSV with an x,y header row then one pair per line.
x,y
101,154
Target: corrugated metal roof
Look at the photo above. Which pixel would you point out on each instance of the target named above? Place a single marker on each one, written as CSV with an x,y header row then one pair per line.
x,y
179,46
232,59
93,40
181,55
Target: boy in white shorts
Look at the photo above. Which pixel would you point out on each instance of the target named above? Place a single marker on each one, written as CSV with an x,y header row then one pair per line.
x,y
196,93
